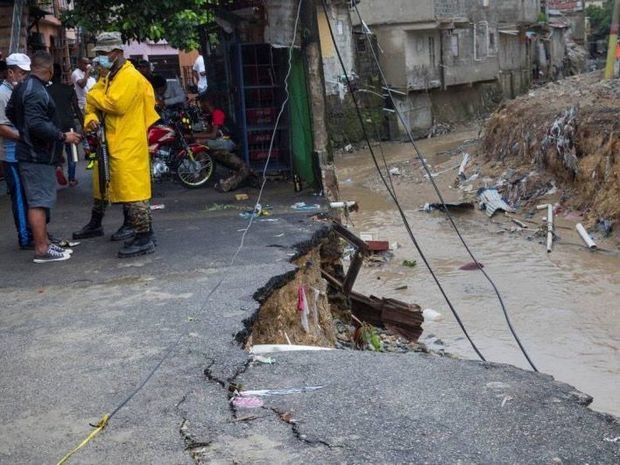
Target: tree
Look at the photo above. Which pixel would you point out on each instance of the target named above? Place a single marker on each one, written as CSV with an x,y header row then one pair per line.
x,y
600,19
176,21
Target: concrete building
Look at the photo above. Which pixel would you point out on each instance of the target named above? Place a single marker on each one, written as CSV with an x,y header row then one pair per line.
x,y
166,60
451,59
572,13
28,26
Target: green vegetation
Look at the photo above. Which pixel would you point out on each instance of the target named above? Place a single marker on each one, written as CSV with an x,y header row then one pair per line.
x,y
600,20
175,21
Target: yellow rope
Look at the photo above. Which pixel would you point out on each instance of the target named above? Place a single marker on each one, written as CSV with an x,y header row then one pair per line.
x,y
98,428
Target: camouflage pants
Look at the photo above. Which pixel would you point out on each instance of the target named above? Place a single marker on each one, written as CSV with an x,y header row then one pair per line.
x,y
136,214
234,163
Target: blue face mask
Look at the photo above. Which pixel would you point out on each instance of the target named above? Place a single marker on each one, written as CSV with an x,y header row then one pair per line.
x,y
105,62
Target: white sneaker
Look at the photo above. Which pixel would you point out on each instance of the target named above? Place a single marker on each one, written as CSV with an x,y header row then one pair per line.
x,y
51,255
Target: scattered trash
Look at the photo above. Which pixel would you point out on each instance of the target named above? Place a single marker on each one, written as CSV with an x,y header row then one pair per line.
x,y
247,402
394,245
491,200
519,223
366,337
395,171
616,439
260,349
302,206
347,181
471,266
447,170
287,417
432,315
462,167
219,206
158,206
410,263
585,236
269,220
259,210
439,129
279,392
279,235
401,288
378,246
263,360
505,400
460,206
241,196
348,148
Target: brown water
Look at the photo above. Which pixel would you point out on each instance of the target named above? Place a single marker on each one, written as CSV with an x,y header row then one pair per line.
x,y
565,305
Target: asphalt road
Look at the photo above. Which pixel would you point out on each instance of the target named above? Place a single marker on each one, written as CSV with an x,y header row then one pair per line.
x,y
77,337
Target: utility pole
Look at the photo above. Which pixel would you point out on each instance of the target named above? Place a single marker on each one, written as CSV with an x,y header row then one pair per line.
x,y
316,90
613,42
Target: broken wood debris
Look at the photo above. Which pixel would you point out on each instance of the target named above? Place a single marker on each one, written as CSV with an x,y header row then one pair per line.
x,y
400,317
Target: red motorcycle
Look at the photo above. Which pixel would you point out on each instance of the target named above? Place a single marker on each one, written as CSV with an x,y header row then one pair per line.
x,y
171,154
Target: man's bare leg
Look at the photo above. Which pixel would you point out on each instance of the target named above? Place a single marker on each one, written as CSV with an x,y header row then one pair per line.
x,y
38,224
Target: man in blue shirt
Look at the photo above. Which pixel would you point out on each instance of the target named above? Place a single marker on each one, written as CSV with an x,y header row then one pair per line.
x,y
18,66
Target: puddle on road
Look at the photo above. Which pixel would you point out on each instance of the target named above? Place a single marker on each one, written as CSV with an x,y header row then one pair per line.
x,y
563,305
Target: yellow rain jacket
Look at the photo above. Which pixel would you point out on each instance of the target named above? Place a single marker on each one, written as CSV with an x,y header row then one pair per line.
x,y
127,103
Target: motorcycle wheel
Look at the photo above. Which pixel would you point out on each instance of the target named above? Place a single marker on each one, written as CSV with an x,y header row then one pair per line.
x,y
195,172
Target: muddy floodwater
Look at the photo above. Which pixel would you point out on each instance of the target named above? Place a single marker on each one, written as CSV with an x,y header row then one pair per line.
x,y
564,305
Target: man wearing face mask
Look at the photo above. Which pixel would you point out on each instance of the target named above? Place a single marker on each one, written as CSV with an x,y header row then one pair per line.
x,y
32,111
124,102
18,67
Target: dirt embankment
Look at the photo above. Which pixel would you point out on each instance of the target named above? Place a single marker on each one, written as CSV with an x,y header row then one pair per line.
x,y
568,133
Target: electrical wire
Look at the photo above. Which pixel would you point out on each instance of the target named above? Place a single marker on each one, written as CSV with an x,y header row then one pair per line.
x,y
393,193
234,257
439,195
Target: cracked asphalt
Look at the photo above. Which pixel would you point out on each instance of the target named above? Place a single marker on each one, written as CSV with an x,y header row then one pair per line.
x,y
77,337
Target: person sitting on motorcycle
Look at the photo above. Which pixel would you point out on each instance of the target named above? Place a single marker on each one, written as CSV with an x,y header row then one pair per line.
x,y
217,139
169,95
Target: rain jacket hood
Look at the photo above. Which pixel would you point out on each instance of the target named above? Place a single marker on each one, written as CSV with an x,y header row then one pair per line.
x,y
125,103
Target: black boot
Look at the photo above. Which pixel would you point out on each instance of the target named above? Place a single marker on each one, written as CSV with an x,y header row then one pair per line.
x,y
151,234
124,233
141,245
92,229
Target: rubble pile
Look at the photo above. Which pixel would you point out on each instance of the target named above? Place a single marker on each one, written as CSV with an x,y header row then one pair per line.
x,y
565,134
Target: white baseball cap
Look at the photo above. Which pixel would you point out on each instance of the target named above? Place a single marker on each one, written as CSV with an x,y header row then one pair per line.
x,y
20,60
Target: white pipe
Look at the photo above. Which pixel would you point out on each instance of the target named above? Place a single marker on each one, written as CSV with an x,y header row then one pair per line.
x,y
549,227
586,237
549,208
463,164
74,154
348,204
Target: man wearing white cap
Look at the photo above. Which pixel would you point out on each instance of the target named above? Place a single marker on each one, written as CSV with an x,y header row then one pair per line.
x,y
18,68
40,143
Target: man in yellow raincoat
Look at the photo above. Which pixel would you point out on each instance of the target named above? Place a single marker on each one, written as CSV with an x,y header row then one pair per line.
x,y
124,102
